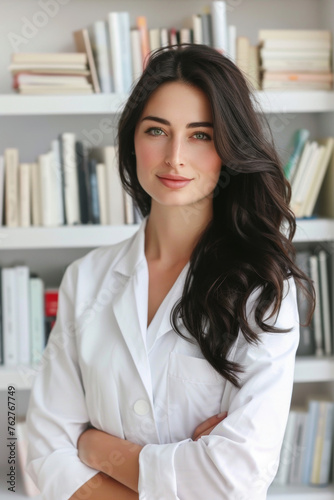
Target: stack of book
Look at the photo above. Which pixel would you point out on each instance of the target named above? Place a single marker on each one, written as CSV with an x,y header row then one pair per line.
x,y
27,312
307,448
296,59
66,185
306,168
50,73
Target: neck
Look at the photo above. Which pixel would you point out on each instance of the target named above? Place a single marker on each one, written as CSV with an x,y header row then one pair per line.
x,y
172,233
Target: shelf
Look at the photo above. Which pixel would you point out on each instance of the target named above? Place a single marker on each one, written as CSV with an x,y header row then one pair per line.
x,y
308,369
297,492
311,369
269,102
83,236
309,230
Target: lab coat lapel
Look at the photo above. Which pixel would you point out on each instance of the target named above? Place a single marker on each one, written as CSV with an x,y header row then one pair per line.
x,y
130,269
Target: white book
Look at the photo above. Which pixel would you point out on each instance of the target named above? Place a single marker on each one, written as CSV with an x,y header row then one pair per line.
x,y
12,187
101,174
325,307
197,28
101,51
319,177
32,79
2,187
299,195
126,54
57,183
71,179
219,26
317,320
35,195
137,56
185,35
296,180
232,42
154,35
9,316
114,187
267,54
47,189
37,321
295,65
305,44
164,38
49,57
116,52
24,195
23,320
325,464
291,34
128,205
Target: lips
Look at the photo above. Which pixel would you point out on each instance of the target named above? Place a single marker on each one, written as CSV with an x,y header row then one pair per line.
x,y
174,177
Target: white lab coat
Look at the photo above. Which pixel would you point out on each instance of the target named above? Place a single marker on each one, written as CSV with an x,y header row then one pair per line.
x,y
102,365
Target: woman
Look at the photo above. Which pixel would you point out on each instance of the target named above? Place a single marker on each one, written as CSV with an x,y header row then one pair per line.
x,y
169,372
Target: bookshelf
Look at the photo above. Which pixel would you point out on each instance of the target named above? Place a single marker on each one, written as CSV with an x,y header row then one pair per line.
x,y
31,122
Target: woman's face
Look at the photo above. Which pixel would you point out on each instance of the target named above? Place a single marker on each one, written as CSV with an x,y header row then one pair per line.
x,y
173,139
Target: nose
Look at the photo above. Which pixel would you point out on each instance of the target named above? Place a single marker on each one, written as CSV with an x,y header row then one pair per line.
x,y
175,152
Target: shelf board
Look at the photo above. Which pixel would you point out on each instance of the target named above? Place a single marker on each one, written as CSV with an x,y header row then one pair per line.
x,y
298,492
307,369
269,102
83,236
92,236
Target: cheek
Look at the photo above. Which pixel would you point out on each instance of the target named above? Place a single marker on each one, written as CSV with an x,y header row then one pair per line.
x,y
147,154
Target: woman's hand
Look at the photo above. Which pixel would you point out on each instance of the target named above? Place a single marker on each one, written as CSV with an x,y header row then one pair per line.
x,y
208,425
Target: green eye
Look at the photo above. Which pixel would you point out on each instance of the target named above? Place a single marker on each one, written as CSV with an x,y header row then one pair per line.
x,y
154,131
201,135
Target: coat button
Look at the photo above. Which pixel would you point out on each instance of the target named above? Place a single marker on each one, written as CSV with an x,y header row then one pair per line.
x,y
141,407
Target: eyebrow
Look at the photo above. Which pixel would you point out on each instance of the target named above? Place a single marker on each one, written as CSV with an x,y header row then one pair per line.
x,y
166,122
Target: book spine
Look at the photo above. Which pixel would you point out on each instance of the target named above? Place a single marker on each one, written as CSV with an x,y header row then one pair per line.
x,y
219,26
311,425
71,179
325,465
101,48
144,37
94,191
22,280
116,55
317,311
125,45
57,182
37,325
2,189
101,174
114,186
11,188
83,181
137,56
9,316
24,194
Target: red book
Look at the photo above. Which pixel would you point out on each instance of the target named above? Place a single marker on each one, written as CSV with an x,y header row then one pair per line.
x,y
50,310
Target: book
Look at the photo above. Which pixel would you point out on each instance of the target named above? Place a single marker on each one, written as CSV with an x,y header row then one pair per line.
x,y
24,195
41,67
317,319
319,175
268,54
296,65
286,451
11,156
297,77
325,199
58,197
50,57
45,168
2,189
36,205
101,175
137,57
22,311
154,36
324,301
9,316
297,144
219,26
85,199
197,28
141,23
115,195
309,150
125,47
36,313
311,426
207,29
101,51
306,345
50,309
55,90
298,447
70,176
327,448
95,210
242,54
82,42
295,35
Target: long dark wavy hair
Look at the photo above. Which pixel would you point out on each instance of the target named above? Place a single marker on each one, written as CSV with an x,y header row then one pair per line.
x,y
248,242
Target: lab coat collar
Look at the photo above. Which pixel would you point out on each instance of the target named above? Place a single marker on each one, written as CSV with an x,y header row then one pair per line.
x,y
134,253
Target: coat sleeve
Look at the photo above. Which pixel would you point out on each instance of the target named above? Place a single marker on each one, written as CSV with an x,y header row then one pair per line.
x,y
240,457
57,412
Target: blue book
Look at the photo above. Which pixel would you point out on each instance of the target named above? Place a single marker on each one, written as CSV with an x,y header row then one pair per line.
x,y
299,140
311,428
